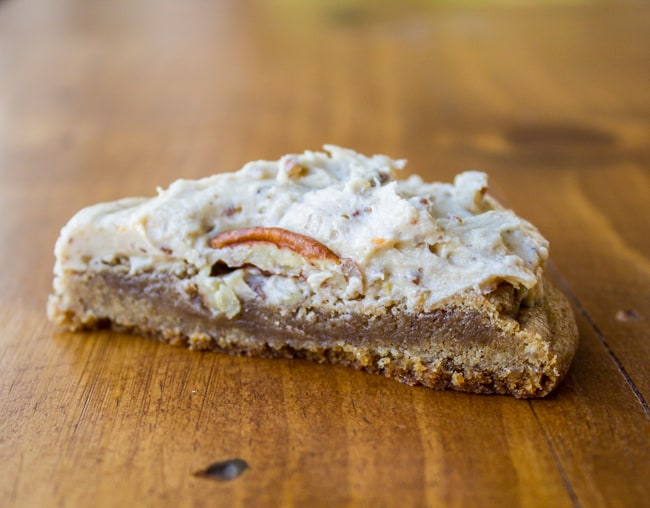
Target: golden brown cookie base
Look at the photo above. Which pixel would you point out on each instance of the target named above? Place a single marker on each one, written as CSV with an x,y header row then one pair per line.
x,y
469,343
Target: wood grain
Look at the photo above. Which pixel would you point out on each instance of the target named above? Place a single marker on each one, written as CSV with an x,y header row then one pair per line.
x,y
101,100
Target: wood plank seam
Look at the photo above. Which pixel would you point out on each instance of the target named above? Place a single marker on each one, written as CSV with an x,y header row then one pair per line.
x,y
601,337
565,479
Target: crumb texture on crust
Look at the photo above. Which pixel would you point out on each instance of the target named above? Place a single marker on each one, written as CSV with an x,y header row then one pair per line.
x,y
467,344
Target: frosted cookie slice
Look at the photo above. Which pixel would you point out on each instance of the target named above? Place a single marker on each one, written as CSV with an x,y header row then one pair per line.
x,y
326,256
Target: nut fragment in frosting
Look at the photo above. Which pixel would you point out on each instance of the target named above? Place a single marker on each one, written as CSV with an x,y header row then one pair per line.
x,y
281,238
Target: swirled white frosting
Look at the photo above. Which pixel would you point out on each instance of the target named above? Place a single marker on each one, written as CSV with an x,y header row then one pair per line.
x,y
409,242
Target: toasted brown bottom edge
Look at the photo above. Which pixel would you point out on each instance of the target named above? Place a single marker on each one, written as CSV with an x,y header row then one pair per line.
x,y
460,347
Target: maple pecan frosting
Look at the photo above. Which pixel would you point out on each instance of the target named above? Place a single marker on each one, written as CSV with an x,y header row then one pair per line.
x,y
332,228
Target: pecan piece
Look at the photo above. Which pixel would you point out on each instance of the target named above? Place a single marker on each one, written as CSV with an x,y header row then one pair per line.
x,y
283,239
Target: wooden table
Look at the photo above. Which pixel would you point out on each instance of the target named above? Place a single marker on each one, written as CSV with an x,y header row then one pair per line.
x,y
101,100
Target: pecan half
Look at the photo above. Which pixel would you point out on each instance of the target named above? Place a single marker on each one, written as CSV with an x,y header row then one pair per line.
x,y
283,239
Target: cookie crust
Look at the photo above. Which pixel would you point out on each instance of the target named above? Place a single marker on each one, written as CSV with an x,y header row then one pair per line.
x,y
471,342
